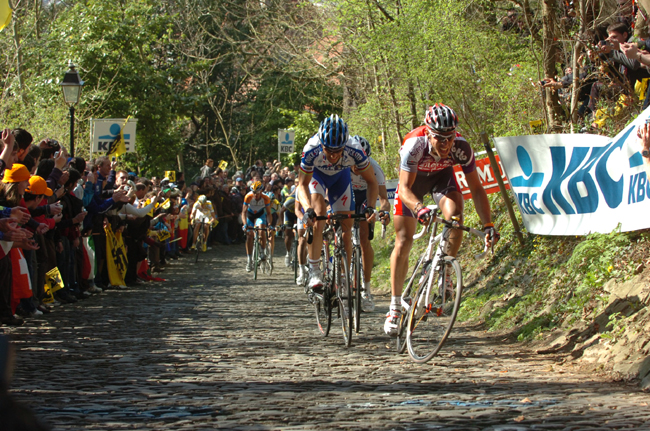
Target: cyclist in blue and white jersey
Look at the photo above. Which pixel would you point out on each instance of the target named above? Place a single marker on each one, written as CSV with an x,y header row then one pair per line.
x,y
325,166
360,187
255,213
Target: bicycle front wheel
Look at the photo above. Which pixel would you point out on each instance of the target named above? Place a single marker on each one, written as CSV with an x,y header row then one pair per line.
x,y
344,296
323,308
294,260
417,277
355,274
433,312
199,244
256,257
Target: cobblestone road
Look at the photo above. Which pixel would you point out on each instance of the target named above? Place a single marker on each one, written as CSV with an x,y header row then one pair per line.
x,y
213,349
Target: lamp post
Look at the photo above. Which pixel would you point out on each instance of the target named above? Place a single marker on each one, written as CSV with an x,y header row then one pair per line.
x,y
71,86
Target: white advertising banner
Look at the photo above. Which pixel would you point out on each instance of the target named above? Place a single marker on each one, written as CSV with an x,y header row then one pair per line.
x,y
578,184
286,140
105,131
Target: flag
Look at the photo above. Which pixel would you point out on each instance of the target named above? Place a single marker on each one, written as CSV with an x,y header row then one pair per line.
x,y
53,282
115,257
21,286
223,165
171,175
5,14
118,146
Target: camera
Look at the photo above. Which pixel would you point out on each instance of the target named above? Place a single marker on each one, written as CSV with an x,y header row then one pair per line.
x,y
542,82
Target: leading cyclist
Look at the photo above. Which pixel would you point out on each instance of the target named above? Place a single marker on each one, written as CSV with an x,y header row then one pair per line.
x,y
359,187
255,213
202,213
427,158
326,162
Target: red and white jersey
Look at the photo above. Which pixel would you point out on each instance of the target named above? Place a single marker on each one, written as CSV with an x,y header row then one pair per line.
x,y
415,154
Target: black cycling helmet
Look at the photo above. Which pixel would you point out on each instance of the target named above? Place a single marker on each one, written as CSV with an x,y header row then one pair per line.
x,y
333,132
364,144
441,118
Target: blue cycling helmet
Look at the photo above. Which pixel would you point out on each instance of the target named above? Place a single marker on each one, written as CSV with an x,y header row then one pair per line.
x,y
333,132
364,143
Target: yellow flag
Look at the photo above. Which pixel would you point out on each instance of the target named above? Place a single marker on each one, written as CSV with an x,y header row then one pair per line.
x,y
5,14
115,257
171,175
118,146
53,282
223,165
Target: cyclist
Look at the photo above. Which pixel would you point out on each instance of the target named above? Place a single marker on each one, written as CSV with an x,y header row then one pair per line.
x,y
428,154
359,187
202,212
326,162
287,212
256,210
273,192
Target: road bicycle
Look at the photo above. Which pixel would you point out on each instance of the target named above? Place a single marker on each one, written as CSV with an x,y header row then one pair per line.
x,y
356,269
201,239
337,292
259,260
432,296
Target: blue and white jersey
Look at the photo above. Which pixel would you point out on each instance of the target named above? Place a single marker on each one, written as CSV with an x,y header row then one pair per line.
x,y
313,157
358,183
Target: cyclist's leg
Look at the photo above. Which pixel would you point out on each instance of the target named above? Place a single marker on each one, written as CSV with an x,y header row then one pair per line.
x,y
317,190
250,235
451,203
196,227
405,225
341,200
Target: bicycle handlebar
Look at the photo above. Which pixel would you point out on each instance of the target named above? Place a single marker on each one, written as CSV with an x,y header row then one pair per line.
x,y
453,225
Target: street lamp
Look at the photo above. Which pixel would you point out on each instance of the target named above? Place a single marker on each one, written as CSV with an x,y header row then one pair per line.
x,y
71,86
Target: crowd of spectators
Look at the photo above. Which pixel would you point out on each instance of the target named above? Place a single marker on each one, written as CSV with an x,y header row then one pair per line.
x,y
69,225
611,71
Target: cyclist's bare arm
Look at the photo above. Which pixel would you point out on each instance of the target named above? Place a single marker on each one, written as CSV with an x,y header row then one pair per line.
x,y
243,214
302,194
406,195
384,203
368,174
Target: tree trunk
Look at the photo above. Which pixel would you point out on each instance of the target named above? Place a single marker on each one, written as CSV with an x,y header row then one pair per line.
x,y
551,49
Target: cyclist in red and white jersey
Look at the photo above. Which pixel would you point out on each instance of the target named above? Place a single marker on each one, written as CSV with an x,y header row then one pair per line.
x,y
428,155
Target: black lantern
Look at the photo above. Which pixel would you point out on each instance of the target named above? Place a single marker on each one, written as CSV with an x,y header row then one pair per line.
x,y
71,86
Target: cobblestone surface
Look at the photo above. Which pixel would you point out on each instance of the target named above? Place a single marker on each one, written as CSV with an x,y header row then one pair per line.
x,y
213,349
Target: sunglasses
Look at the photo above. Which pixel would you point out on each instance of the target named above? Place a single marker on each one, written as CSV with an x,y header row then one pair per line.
x,y
328,151
442,138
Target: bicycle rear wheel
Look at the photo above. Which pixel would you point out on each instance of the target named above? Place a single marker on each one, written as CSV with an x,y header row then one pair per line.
x,y
433,312
355,274
344,296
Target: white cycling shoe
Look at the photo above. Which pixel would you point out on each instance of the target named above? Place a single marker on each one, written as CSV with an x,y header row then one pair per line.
x,y
249,266
316,280
367,302
391,323
287,261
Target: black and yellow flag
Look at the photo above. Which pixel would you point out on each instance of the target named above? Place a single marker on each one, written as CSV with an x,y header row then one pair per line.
x,y
118,146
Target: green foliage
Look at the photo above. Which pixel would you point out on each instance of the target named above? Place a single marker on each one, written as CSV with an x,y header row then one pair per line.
x,y
597,258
